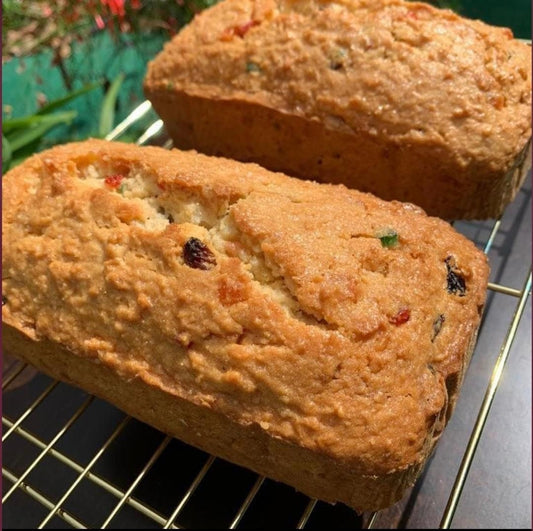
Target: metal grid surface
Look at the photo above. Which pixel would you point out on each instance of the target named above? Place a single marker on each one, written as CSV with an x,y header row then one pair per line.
x,y
73,461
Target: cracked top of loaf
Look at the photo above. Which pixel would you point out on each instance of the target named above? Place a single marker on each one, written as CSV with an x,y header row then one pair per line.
x,y
402,70
324,316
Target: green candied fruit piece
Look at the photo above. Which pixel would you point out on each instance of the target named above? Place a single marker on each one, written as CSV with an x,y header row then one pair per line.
x,y
388,237
252,67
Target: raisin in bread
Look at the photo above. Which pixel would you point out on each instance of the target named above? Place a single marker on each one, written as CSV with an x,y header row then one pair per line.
x,y
312,333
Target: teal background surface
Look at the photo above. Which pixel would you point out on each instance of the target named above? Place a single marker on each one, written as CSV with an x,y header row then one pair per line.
x,y
24,80
514,14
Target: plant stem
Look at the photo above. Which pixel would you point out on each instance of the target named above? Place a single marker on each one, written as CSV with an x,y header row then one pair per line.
x,y
64,74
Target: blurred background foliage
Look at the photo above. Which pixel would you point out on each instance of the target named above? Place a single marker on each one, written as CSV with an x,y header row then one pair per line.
x,y
73,69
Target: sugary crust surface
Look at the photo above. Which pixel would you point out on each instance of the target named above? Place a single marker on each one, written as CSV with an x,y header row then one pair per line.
x,y
403,76
272,302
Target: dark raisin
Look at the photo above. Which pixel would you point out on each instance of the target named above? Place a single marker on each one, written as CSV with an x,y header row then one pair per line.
x,y
337,58
337,371
4,300
455,282
336,65
437,325
197,255
163,212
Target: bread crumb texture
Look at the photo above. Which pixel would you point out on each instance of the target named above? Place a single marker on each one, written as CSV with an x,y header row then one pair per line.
x,y
323,316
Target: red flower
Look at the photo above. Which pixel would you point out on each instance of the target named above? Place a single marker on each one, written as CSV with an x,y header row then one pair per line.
x,y
115,6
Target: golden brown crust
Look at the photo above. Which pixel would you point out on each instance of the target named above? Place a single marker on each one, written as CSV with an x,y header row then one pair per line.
x,y
317,475
245,295
397,98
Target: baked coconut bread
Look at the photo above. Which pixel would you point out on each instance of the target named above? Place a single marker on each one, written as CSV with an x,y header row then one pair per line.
x,y
314,334
397,98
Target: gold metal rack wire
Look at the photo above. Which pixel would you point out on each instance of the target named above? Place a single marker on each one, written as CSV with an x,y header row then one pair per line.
x,y
54,510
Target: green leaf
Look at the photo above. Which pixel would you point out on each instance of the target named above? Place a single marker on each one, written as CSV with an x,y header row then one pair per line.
x,y
6,154
37,127
42,114
10,127
107,114
53,105
18,123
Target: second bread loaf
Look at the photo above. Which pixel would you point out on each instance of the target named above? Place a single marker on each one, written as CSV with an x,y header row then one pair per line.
x,y
397,98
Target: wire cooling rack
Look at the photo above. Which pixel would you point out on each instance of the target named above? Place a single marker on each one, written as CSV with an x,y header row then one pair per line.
x,y
71,460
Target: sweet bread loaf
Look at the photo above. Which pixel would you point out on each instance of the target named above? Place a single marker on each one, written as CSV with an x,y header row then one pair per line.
x,y
312,333
397,98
